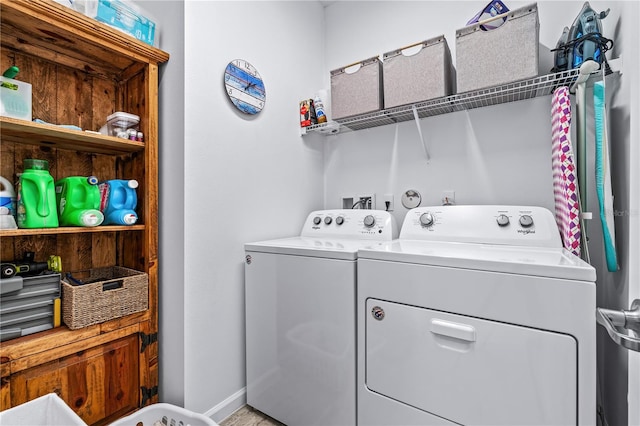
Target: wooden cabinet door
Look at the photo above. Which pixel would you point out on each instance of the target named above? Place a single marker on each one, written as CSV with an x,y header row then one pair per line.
x,y
99,383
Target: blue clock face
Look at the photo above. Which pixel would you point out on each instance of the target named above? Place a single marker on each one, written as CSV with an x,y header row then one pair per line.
x,y
244,86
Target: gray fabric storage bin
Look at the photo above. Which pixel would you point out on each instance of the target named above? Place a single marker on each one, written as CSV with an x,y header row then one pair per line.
x,y
426,74
503,55
359,92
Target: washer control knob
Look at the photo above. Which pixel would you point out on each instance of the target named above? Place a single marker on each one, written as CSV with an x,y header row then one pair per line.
x,y
317,220
503,220
426,219
339,220
526,220
327,220
369,221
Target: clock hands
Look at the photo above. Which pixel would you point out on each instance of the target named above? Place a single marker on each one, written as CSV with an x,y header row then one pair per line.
x,y
244,87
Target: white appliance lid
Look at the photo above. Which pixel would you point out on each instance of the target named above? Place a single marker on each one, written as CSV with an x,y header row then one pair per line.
x,y
361,224
534,261
334,234
531,226
332,248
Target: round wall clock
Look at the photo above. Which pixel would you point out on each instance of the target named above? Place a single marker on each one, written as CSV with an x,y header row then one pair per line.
x,y
244,86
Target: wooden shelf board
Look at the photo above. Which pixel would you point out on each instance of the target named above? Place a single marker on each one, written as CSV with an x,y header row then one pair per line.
x,y
17,354
68,230
28,132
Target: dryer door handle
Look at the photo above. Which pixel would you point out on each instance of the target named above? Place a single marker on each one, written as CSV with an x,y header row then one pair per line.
x,y
453,329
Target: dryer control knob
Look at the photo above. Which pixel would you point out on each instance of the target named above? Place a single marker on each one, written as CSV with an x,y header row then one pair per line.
x,y
317,220
426,219
503,220
327,220
369,221
339,220
526,220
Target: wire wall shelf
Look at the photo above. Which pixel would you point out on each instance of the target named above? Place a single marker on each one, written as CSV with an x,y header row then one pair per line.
x,y
517,91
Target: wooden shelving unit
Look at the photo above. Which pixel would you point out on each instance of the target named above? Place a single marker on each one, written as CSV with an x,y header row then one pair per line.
x,y
81,72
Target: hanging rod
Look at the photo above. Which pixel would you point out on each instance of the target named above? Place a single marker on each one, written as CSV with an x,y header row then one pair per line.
x,y
585,71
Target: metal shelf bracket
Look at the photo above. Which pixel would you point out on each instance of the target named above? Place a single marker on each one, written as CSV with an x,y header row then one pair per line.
x,y
424,145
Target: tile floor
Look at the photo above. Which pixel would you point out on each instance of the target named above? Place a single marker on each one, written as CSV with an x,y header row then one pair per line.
x,y
247,416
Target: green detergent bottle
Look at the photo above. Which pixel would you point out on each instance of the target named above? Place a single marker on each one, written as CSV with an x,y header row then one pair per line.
x,y
78,200
36,204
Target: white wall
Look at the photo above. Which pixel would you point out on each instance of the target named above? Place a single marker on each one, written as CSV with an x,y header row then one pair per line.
x,y
619,289
247,178
170,16
499,154
632,34
633,63
226,179
612,289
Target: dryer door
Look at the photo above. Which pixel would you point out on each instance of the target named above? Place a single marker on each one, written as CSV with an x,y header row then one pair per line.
x,y
300,337
469,370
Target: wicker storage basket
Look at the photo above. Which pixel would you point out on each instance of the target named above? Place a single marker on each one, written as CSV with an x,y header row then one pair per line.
x,y
101,294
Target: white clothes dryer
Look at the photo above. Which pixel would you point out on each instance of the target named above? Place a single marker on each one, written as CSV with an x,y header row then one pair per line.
x,y
476,315
300,317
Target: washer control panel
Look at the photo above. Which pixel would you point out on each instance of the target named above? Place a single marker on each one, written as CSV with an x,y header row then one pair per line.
x,y
509,225
351,223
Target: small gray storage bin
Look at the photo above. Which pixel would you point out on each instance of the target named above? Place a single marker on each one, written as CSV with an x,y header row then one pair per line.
x,y
426,74
29,305
356,92
499,56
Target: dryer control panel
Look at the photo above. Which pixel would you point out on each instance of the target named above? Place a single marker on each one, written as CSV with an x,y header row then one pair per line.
x,y
351,223
508,225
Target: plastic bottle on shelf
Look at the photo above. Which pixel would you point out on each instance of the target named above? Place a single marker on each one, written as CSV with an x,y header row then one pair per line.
x,y
36,203
7,197
321,115
7,205
118,201
78,201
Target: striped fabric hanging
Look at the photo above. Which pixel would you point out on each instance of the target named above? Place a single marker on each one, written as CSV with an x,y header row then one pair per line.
x,y
565,181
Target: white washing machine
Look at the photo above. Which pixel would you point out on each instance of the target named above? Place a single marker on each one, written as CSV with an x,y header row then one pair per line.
x,y
476,315
300,317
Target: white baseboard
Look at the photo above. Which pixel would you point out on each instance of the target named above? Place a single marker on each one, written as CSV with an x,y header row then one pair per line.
x,y
229,406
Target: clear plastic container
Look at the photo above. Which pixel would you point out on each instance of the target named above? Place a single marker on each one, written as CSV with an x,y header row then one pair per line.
x,y
86,7
127,17
118,123
15,98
